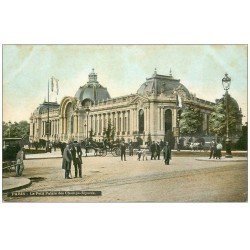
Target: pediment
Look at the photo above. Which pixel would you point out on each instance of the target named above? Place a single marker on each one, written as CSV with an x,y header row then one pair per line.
x,y
139,100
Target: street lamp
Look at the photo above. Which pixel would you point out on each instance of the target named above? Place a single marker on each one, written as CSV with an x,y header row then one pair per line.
x,y
87,110
9,125
226,81
177,128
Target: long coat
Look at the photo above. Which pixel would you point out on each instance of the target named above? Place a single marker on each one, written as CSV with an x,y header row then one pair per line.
x,y
167,152
67,158
76,151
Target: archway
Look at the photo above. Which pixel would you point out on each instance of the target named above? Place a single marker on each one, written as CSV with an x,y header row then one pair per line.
x,y
141,121
69,119
168,120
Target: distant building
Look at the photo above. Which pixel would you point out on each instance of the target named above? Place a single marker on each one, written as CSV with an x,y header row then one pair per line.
x,y
152,110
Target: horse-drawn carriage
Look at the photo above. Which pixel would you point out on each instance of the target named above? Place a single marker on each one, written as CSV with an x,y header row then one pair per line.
x,y
101,148
10,148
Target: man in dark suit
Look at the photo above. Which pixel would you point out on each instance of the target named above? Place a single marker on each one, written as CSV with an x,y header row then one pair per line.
x,y
66,164
123,151
153,151
212,149
167,153
158,150
77,158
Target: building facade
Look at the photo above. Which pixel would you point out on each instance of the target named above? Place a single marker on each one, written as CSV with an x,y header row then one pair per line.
x,y
152,110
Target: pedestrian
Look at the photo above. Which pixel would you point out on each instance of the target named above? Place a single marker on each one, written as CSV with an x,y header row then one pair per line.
x,y
139,153
161,144
77,158
130,148
50,147
62,147
144,154
218,150
158,150
167,153
123,151
67,158
19,162
212,149
153,150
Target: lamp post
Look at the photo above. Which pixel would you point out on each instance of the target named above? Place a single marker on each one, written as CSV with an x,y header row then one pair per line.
x,y
9,125
177,128
226,81
87,110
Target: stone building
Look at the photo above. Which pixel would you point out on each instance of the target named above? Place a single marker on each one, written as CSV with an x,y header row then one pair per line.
x,y
152,110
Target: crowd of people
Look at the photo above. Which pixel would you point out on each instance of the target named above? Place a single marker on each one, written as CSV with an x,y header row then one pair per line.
x,y
155,148
72,153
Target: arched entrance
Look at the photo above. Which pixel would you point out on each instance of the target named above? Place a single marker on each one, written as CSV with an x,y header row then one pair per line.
x,y
141,121
69,117
168,120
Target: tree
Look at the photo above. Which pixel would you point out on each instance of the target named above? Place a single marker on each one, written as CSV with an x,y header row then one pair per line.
x,y
242,142
139,140
16,130
91,134
109,133
169,137
218,118
149,139
191,120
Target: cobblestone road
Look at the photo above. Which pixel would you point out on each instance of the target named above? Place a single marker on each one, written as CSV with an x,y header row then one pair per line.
x,y
185,180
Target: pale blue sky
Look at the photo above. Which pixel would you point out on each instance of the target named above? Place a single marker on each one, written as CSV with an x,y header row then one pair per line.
x,y
120,68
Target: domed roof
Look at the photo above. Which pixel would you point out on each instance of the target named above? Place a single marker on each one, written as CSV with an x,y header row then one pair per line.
x,y
92,90
43,108
161,84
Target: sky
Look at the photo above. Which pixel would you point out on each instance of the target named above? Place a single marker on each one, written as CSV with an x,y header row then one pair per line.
x,y
120,68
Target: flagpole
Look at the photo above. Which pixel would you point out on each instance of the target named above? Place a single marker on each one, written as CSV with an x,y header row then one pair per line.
x,y
48,128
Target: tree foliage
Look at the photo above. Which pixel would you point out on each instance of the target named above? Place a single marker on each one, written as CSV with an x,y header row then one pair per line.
x,y
218,118
16,130
191,121
109,132
242,142
149,139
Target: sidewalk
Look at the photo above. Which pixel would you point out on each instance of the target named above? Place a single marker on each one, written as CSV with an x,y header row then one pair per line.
x,y
223,159
15,183
52,155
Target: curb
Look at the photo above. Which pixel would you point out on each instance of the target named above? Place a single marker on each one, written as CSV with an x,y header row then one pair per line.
x,y
17,188
44,158
222,160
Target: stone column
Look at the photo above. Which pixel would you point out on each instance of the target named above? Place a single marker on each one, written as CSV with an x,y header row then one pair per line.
x,y
162,119
131,121
128,122
159,118
116,122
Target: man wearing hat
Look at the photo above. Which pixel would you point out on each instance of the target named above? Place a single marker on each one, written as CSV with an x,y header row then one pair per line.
x,y
212,149
77,158
167,153
67,158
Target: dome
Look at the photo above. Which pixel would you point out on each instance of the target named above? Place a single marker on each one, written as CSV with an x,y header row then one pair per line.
x,y
92,90
43,108
161,84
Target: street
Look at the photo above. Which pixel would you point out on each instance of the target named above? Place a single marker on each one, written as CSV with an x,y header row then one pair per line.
x,y
184,180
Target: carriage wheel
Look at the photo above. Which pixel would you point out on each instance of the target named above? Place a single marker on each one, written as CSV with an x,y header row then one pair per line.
x,y
99,152
104,153
113,151
118,152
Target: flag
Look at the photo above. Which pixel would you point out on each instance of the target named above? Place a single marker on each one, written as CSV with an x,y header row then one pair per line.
x,y
57,87
179,101
54,84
